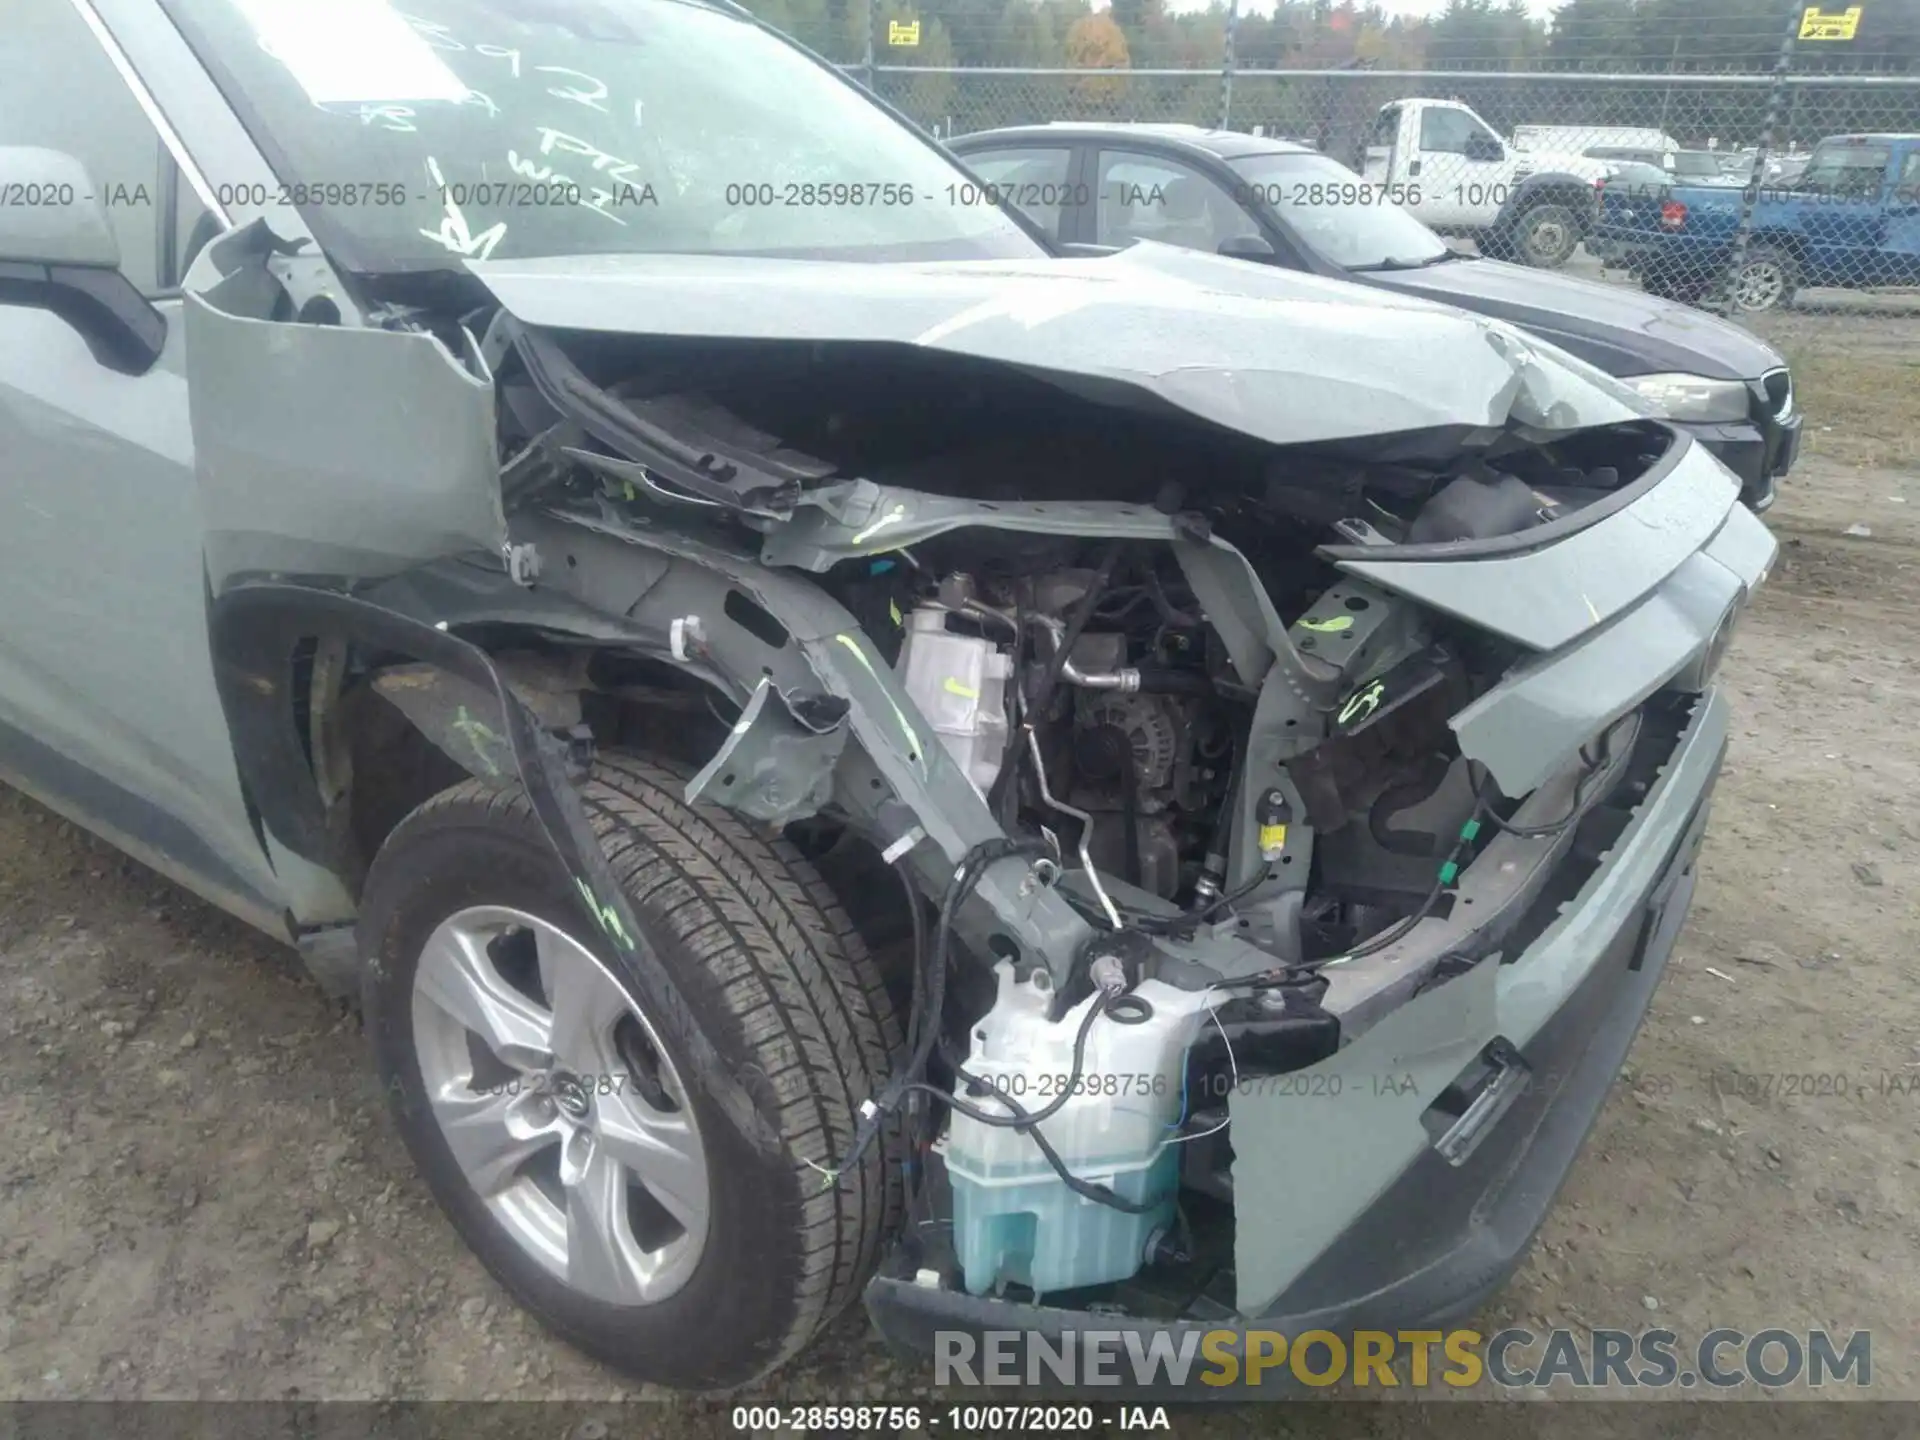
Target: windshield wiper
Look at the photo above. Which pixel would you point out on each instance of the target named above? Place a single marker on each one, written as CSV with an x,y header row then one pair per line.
x,y
1392,263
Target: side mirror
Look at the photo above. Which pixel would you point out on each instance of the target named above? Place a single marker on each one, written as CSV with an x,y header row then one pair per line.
x,y
1484,147
57,252
1247,247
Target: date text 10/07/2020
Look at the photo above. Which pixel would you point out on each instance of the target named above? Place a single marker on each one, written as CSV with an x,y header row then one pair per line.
x,y
955,1419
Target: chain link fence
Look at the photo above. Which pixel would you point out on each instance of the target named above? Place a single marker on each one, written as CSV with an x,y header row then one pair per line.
x,y
1743,161
1686,200
1690,204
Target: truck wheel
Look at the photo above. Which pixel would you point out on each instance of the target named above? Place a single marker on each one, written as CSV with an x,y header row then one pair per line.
x,y
1766,280
1545,236
562,1128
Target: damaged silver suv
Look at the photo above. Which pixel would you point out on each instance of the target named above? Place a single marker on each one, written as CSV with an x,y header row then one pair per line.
x,y
845,754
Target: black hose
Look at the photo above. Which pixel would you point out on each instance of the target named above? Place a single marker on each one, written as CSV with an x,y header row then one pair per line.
x,y
1082,612
1404,796
1166,680
916,1014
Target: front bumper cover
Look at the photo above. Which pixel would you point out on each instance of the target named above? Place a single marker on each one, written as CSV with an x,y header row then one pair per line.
x,y
1437,1238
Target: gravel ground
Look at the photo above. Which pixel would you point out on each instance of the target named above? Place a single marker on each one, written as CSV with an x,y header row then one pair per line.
x,y
200,1196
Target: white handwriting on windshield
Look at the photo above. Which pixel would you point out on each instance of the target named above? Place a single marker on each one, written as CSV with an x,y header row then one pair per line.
x,y
434,33
592,99
388,117
592,197
500,52
454,232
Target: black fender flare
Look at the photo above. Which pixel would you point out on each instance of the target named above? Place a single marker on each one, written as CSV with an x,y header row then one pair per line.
x,y
257,629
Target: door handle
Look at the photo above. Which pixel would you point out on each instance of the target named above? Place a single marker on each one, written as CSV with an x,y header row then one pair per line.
x,y
1413,168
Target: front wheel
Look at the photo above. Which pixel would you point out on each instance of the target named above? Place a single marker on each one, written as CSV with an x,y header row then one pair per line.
x,y
561,1126
1765,280
1545,236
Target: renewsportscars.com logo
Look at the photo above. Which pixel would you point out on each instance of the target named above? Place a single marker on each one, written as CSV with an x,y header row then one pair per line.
x,y
1511,1359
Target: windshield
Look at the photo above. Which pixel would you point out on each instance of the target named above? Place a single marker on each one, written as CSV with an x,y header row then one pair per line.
x,y
1335,213
457,129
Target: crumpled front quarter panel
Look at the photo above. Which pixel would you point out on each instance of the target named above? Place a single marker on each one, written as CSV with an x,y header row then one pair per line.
x,y
334,451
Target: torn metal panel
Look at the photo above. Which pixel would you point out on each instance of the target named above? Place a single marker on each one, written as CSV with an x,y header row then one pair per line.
x,y
1546,594
454,714
860,518
1284,357
332,450
771,768
1363,1133
1531,723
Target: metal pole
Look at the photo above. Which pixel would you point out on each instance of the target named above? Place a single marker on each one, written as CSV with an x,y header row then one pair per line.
x,y
866,8
1226,67
1776,97
1666,92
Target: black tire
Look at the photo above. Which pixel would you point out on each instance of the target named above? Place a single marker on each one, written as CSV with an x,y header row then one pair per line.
x,y
1664,284
1766,280
780,985
1546,235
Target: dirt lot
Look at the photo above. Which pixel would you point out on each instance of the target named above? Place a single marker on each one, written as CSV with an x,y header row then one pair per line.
x,y
200,1196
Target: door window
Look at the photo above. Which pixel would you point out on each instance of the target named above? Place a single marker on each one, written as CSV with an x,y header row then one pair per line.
x,y
1447,131
1145,197
59,90
1032,180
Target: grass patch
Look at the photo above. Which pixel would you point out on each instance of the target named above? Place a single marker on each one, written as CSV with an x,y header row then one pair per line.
x,y
1860,409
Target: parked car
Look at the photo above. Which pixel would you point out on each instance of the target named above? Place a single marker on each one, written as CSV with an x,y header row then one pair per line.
x,y
1444,164
1268,201
1686,166
769,704
1581,139
1851,220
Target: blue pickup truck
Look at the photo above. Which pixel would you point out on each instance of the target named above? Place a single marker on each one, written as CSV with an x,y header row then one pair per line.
x,y
1851,219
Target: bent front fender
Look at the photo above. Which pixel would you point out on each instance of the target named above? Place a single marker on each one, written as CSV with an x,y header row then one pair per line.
x,y
257,630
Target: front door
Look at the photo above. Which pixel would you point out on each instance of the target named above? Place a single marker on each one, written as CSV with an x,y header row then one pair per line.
x,y
108,707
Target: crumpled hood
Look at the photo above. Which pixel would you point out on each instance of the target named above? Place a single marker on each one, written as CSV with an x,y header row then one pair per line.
x,y
1283,357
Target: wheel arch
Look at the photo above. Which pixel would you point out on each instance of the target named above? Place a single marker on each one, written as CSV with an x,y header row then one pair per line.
x,y
279,651
1553,187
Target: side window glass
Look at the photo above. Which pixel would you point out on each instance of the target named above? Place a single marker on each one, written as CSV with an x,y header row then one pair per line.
x,y
1143,197
1031,180
1387,125
58,90
1445,131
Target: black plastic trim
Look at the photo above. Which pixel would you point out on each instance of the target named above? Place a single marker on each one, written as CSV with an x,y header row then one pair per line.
x,y
1540,536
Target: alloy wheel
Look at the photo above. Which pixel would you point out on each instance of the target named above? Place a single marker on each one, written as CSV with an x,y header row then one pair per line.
x,y
560,1105
1760,285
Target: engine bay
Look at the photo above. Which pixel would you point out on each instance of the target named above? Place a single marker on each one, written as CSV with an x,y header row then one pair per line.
x,y
1071,594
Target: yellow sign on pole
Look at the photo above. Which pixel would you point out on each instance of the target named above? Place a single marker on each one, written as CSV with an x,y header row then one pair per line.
x,y
907,32
1816,24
